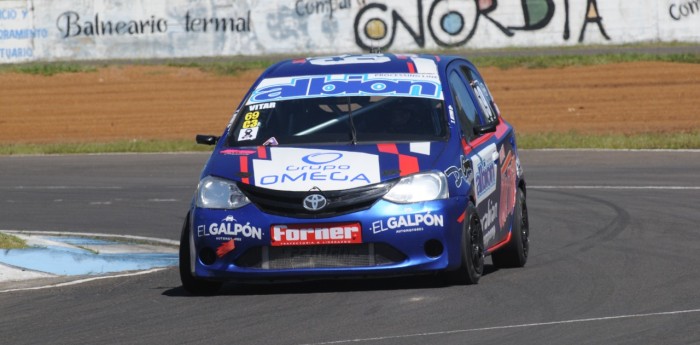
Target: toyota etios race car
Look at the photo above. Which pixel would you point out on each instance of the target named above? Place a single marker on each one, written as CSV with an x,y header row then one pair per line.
x,y
358,165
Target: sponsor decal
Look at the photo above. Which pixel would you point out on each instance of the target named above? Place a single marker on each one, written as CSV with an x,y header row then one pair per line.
x,y
271,142
485,172
508,175
452,114
347,59
254,107
490,216
275,89
315,234
485,100
295,169
322,158
407,223
462,173
248,134
229,226
236,152
489,235
233,118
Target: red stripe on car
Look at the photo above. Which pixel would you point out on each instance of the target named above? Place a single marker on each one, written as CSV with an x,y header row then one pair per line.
x,y
411,67
388,148
408,165
461,217
244,169
500,244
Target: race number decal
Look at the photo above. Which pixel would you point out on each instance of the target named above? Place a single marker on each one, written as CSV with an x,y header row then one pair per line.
x,y
251,119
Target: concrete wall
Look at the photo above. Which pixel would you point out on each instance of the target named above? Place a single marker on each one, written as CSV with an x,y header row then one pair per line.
x,y
48,30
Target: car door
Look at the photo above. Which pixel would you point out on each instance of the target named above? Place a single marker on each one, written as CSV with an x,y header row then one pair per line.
x,y
485,149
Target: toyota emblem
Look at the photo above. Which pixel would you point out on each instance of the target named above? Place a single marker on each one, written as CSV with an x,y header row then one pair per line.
x,y
315,202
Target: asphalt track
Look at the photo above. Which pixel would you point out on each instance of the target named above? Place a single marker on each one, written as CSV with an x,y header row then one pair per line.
x,y
614,260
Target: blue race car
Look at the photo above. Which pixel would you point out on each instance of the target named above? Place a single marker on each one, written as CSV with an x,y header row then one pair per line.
x,y
358,165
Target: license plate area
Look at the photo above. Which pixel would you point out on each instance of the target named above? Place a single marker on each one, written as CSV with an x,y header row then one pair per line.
x,y
315,234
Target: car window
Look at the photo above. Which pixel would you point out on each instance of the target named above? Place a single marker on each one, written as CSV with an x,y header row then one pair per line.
x,y
466,111
488,106
363,119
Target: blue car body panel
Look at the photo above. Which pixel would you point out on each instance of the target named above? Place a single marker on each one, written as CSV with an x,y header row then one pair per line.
x,y
484,170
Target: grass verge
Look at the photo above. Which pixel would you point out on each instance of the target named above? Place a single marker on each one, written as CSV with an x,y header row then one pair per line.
x,y
123,146
559,61
11,242
231,66
574,140
569,140
48,69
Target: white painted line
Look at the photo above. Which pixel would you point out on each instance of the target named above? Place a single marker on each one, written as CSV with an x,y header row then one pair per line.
x,y
163,200
619,187
525,325
96,235
80,281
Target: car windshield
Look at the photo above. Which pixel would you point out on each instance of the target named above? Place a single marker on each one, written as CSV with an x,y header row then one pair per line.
x,y
346,119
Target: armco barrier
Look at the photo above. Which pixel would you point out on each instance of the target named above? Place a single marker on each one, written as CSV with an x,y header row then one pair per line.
x,y
48,30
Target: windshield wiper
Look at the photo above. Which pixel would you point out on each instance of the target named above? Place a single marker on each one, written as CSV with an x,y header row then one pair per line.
x,y
353,131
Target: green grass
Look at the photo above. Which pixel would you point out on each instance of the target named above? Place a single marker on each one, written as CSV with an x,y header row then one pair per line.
x,y
569,140
140,146
228,68
503,62
559,61
11,242
574,140
48,69
502,58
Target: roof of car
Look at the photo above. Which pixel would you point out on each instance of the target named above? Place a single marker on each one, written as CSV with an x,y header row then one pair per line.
x,y
361,63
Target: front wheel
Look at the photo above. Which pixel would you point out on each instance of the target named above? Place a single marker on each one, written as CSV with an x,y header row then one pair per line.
x,y
472,251
192,284
515,253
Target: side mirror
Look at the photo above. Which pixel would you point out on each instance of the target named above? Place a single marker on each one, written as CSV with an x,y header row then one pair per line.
x,y
206,139
487,128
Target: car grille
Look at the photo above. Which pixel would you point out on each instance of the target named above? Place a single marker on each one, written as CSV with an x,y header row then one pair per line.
x,y
335,256
291,203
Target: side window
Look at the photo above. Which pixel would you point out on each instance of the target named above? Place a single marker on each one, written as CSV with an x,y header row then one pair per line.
x,y
482,94
465,107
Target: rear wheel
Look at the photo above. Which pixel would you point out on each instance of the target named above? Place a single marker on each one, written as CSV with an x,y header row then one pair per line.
x,y
192,284
515,253
472,251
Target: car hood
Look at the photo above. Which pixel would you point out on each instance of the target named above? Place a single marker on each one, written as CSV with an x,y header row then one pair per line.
x,y
324,167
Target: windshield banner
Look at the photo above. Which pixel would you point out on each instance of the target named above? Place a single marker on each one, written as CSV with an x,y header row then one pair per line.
x,y
424,85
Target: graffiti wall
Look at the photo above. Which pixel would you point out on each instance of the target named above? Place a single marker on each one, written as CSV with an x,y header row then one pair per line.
x,y
46,30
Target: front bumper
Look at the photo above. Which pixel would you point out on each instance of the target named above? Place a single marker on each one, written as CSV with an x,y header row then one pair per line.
x,y
393,239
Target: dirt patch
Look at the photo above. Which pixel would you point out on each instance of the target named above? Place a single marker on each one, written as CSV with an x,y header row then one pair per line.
x,y
156,102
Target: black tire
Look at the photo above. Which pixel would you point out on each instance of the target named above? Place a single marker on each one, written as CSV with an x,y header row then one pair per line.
x,y
471,251
515,253
192,284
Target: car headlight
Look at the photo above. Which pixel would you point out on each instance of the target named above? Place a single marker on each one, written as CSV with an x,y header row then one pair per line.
x,y
214,192
419,187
